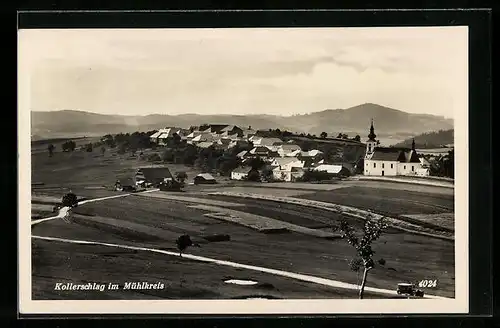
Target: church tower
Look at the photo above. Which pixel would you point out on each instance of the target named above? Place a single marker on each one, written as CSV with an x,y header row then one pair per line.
x,y
371,143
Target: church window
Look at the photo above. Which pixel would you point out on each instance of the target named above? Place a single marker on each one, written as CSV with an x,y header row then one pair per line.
x,y
412,168
404,167
374,164
382,165
392,166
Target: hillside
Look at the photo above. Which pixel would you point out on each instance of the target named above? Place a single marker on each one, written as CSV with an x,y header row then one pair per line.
x,y
390,123
430,139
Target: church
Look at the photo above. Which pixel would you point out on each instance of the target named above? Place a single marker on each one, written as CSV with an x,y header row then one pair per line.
x,y
391,161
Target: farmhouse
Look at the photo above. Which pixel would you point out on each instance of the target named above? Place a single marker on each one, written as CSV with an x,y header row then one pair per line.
x,y
287,168
391,161
125,184
163,135
204,178
152,175
267,141
203,137
336,170
232,130
205,144
260,151
241,173
289,150
213,128
241,154
248,133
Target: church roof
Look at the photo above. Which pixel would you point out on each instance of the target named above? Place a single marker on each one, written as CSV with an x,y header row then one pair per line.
x,y
386,155
395,154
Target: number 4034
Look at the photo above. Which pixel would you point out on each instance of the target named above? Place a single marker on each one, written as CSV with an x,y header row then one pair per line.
x,y
427,283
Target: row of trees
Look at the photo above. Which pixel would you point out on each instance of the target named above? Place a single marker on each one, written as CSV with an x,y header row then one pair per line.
x,y
341,135
443,166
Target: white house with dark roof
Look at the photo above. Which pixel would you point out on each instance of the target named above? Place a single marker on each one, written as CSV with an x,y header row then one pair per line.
x,y
289,150
287,168
163,135
268,142
391,161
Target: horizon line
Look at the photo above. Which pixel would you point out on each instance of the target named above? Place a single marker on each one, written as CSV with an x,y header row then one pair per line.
x,y
245,114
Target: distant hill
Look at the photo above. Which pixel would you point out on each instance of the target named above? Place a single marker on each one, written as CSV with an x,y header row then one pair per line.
x,y
430,139
391,124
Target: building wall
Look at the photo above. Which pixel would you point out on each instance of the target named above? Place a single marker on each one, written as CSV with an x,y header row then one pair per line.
x,y
282,175
408,168
238,175
374,167
397,168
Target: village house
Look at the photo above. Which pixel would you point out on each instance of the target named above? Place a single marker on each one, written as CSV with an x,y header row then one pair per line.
x,y
314,155
241,154
287,168
229,136
232,130
222,143
261,151
164,135
289,150
267,141
213,128
205,144
334,170
204,178
241,173
248,133
239,143
153,176
203,137
391,161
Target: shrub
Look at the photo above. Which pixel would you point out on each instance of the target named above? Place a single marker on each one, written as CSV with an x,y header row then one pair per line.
x,y
311,175
154,157
69,200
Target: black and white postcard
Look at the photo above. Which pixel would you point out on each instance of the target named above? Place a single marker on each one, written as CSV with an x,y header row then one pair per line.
x,y
243,170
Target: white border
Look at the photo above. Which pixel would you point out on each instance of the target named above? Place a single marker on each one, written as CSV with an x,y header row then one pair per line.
x,y
330,306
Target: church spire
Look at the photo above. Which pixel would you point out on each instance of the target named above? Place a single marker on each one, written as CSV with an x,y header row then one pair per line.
x,y
413,144
372,134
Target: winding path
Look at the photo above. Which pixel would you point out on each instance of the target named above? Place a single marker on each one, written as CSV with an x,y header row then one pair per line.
x,y
297,276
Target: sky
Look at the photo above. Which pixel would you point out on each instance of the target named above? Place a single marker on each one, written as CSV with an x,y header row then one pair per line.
x,y
245,71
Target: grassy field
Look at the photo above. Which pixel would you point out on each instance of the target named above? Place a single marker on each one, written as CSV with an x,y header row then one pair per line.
x,y
154,222
80,170
151,222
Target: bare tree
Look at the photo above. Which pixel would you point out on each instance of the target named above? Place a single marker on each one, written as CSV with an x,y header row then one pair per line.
x,y
364,253
51,149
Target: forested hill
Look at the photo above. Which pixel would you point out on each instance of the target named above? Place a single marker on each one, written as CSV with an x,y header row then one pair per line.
x,y
430,139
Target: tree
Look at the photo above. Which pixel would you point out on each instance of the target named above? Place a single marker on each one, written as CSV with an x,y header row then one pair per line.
x,y
256,163
51,149
364,253
181,176
267,174
122,149
323,135
340,135
253,175
168,155
69,200
69,145
88,147
357,138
